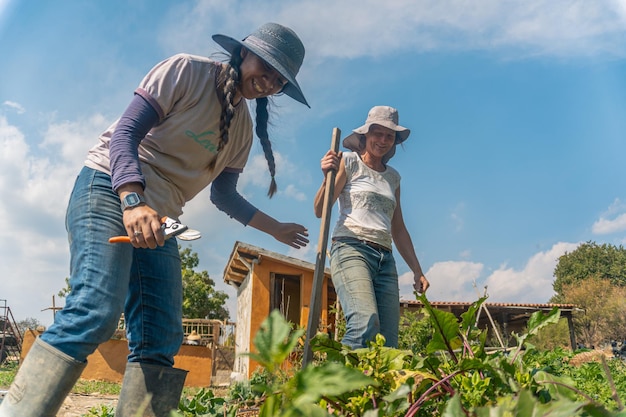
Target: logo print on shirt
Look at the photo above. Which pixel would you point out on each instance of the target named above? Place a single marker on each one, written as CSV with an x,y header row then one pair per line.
x,y
202,140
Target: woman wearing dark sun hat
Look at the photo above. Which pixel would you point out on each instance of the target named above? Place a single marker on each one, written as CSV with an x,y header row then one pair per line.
x,y
187,127
362,265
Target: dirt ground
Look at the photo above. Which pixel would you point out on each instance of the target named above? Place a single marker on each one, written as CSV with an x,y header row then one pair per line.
x,y
77,405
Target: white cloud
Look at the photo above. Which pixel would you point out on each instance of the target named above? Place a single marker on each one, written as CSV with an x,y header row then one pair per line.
x,y
35,182
611,221
533,284
345,29
462,280
449,281
17,107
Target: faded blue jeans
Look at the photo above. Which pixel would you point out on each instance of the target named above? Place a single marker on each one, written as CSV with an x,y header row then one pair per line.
x,y
366,281
107,279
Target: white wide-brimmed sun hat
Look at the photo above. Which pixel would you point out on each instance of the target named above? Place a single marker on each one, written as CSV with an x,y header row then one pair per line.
x,y
385,116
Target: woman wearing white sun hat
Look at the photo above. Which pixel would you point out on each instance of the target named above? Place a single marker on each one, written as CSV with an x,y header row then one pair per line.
x,y
362,265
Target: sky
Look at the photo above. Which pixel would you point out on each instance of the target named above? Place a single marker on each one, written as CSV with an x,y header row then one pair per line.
x,y
516,111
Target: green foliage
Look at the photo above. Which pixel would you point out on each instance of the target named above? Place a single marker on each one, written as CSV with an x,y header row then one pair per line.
x,y
552,337
65,291
205,403
7,373
414,332
100,411
200,298
84,386
452,376
604,261
299,395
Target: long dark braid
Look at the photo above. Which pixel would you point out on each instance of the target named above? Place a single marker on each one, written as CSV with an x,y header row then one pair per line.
x,y
229,79
262,116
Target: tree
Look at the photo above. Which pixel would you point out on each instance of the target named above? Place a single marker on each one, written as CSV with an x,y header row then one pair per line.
x,y
28,323
200,298
603,315
604,261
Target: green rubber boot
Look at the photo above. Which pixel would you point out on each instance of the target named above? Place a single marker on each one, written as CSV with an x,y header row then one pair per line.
x,y
150,390
42,382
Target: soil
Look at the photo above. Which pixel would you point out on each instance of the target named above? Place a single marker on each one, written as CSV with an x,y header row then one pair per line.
x,y
77,405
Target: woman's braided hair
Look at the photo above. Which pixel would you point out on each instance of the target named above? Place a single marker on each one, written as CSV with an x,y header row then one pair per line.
x,y
229,79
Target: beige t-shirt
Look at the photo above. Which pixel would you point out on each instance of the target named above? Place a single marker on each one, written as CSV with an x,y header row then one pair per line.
x,y
175,155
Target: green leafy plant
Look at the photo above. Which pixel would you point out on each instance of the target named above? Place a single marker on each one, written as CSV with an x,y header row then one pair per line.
x,y
453,375
100,411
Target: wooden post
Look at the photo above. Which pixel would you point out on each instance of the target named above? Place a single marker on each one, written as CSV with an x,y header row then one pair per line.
x,y
320,261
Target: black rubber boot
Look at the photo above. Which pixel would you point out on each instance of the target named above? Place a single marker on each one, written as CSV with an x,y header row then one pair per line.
x,y
42,382
150,390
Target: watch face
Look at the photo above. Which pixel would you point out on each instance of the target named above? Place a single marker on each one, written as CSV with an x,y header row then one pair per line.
x,y
131,199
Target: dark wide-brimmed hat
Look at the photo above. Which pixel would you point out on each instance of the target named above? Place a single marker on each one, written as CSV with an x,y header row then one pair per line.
x,y
383,116
277,45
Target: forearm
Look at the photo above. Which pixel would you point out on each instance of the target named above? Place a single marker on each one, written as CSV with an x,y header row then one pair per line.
x,y
405,247
264,223
318,203
292,234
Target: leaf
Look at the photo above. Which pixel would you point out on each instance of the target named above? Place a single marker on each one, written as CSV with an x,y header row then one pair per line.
x,y
453,407
274,341
538,320
333,349
557,386
445,329
331,379
468,319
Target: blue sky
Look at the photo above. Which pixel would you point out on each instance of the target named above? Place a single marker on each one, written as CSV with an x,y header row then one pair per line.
x,y
516,110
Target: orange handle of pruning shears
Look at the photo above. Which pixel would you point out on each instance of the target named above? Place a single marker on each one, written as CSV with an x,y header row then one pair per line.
x,y
119,239
126,239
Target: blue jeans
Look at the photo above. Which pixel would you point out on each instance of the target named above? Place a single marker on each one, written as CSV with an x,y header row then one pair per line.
x,y
108,278
366,282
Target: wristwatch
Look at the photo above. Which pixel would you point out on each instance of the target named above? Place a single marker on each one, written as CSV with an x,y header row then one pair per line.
x,y
131,200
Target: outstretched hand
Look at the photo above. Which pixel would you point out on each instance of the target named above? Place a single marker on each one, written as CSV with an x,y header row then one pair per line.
x,y
292,234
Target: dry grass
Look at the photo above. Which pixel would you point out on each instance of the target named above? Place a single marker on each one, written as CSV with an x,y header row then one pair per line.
x,y
589,356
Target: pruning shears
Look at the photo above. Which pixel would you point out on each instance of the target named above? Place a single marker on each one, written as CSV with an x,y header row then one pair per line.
x,y
170,229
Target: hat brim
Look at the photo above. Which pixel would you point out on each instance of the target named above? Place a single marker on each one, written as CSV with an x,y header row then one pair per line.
x,y
402,133
353,140
292,88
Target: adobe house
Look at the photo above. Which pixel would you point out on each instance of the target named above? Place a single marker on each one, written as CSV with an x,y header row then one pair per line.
x,y
265,281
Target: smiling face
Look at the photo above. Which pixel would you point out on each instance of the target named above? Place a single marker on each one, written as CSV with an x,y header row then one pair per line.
x,y
379,140
258,78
